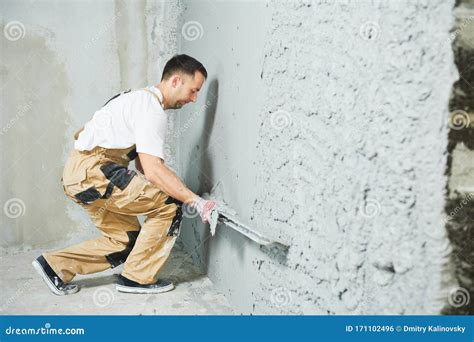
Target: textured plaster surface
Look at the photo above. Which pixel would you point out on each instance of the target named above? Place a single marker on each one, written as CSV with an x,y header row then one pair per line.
x,y
328,128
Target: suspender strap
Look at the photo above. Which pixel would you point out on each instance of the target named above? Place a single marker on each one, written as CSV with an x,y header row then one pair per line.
x,y
154,94
76,135
115,96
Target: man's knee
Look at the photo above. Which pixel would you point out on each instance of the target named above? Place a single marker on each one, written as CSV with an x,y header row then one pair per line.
x,y
117,258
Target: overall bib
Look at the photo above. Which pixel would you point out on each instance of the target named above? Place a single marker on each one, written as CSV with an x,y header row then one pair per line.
x,y
113,195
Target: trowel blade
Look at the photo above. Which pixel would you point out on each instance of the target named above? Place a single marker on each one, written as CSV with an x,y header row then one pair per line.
x,y
228,217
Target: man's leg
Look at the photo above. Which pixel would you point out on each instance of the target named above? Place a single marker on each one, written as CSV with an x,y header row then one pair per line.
x,y
157,235
119,233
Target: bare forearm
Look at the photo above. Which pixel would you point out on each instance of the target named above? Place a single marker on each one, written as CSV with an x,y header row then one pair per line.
x,y
167,181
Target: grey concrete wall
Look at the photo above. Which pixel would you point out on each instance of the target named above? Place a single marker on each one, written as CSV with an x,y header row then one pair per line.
x,y
59,63
327,125
325,121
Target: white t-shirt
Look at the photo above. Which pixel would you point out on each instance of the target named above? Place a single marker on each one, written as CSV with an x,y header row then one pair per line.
x,y
132,118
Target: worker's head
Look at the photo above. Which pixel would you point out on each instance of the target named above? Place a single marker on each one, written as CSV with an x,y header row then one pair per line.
x,y
182,78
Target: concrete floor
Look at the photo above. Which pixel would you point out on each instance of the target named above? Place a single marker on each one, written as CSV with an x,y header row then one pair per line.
x,y
24,292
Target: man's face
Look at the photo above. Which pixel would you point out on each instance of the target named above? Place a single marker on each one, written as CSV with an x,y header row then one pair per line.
x,y
185,89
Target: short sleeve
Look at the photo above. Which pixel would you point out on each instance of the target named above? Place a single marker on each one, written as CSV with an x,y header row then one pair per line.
x,y
150,132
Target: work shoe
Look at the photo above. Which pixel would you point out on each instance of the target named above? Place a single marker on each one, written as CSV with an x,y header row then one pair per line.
x,y
130,286
55,284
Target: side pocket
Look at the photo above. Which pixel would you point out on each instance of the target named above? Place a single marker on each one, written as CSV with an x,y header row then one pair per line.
x,y
75,177
73,182
118,175
77,181
88,196
130,186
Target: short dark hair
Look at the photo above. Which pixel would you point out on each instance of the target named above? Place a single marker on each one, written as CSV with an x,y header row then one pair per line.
x,y
185,64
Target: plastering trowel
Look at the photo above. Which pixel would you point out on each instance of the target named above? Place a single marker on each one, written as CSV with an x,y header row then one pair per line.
x,y
228,216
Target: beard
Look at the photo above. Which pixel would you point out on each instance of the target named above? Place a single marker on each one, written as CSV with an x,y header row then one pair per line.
x,y
177,105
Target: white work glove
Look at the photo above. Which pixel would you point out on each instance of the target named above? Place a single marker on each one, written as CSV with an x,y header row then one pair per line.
x,y
203,207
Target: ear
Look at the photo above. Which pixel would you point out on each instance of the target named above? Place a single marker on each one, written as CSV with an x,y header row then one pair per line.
x,y
175,80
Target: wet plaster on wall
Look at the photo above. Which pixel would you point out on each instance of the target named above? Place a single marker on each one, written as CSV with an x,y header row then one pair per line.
x,y
347,163
364,155
217,135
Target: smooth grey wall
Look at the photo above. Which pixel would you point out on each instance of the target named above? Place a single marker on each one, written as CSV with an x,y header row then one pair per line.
x,y
327,126
59,63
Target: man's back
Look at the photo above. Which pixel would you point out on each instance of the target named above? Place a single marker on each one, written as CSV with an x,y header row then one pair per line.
x,y
133,118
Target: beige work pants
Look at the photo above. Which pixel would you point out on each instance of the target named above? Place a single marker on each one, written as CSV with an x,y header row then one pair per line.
x,y
114,196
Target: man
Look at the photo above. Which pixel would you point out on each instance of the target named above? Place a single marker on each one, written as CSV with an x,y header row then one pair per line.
x,y
130,126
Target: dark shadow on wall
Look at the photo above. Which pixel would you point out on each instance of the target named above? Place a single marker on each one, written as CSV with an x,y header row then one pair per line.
x,y
206,176
202,164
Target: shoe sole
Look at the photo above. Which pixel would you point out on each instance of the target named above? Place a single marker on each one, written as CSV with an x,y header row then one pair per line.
x,y
37,266
129,289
